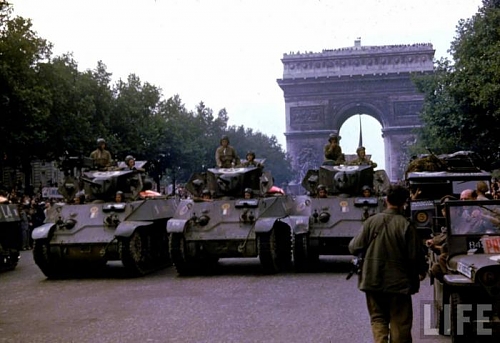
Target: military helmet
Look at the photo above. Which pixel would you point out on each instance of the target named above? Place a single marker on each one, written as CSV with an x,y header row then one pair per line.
x,y
205,192
334,136
225,137
251,153
366,187
360,148
128,158
100,141
248,190
321,187
119,193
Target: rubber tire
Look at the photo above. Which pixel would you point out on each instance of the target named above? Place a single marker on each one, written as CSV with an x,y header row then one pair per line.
x,y
456,299
274,248
177,249
50,267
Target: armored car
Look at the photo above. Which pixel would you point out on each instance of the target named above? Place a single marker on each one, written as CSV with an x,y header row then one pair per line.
x,y
76,237
228,224
324,225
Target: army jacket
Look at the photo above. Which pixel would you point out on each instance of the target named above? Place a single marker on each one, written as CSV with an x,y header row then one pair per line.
x,y
224,156
334,154
393,259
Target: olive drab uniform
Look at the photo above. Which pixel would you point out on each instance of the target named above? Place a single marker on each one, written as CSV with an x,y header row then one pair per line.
x,y
225,155
102,157
334,152
390,275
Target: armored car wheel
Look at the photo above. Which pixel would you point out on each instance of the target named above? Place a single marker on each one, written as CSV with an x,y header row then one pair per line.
x,y
274,249
302,254
47,263
178,254
135,253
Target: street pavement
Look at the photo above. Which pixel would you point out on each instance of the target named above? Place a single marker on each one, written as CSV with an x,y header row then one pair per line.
x,y
237,303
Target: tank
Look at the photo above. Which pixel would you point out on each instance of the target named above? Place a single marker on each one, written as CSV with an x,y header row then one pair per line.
x,y
10,236
227,225
326,225
77,237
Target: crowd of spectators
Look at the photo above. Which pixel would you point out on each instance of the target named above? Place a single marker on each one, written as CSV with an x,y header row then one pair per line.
x,y
32,210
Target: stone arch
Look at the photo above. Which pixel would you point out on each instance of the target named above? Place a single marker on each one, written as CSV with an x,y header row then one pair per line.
x,y
322,90
353,108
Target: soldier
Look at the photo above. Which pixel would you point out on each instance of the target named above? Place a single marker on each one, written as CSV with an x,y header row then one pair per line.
x,y
362,160
333,151
101,156
321,191
367,191
119,197
225,155
206,195
392,270
248,193
251,162
130,163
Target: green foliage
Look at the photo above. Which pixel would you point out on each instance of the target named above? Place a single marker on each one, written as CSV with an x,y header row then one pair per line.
x,y
462,106
50,108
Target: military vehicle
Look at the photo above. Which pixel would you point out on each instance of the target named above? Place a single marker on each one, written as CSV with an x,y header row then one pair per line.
x,y
432,177
10,236
467,301
76,237
228,225
325,226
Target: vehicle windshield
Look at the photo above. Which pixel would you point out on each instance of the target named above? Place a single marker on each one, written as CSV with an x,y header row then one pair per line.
x,y
473,217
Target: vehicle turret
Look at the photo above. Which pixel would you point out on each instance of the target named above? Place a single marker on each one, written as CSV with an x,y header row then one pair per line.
x,y
101,184
230,182
340,179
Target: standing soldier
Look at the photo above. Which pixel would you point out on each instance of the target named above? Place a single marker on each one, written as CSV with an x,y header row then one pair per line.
x,y
393,267
333,151
225,155
101,156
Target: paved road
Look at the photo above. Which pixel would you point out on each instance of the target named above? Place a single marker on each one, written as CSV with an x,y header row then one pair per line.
x,y
235,304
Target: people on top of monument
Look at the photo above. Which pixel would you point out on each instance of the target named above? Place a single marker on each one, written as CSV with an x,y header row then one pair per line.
x,y
333,151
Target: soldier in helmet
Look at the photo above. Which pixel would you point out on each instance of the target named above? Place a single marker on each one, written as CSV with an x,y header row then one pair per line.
x,y
248,193
101,156
119,197
250,161
362,160
130,162
367,191
333,151
321,191
206,195
225,155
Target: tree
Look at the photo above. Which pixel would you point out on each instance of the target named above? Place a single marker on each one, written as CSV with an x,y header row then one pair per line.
x,y
462,107
23,103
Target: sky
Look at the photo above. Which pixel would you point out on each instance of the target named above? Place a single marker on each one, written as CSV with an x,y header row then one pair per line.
x,y
227,53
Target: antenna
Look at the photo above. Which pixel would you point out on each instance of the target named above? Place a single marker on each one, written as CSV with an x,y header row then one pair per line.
x,y
360,133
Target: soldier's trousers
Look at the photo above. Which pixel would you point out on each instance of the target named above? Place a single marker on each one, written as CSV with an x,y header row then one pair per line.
x,y
390,314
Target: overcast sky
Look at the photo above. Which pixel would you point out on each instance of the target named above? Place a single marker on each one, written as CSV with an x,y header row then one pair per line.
x,y
227,53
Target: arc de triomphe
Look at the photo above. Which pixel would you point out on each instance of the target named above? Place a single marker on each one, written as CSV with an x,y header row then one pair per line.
x,y
322,90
